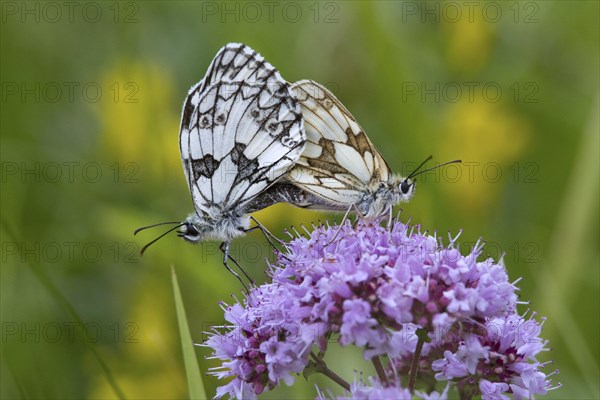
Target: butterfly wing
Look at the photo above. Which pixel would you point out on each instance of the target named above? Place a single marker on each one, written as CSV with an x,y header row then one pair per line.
x,y
234,62
339,161
239,138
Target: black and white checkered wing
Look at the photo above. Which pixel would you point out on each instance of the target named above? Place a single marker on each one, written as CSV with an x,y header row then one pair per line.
x,y
237,139
236,62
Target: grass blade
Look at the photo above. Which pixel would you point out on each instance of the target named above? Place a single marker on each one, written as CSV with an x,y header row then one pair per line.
x,y
61,299
192,370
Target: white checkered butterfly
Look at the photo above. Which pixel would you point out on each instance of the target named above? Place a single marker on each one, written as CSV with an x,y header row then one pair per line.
x,y
241,130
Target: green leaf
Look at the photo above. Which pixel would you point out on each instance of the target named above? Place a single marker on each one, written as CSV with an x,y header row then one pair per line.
x,y
192,370
423,335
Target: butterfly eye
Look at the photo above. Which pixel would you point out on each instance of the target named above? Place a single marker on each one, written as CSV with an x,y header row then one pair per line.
x,y
191,230
405,186
190,233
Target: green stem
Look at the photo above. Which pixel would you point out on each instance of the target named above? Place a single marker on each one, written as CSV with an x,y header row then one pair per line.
x,y
322,368
380,371
422,335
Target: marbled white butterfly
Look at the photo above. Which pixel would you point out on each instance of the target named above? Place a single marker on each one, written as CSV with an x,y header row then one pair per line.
x,y
241,130
340,168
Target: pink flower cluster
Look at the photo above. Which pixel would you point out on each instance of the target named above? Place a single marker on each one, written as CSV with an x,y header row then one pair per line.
x,y
374,287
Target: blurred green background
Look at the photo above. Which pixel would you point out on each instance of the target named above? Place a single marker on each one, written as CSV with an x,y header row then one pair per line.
x,y
91,101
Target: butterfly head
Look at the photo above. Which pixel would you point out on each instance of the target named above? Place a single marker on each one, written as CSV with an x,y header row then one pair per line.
x,y
399,189
194,229
224,226
406,189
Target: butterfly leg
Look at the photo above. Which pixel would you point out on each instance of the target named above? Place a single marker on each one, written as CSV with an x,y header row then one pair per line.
x,y
359,215
266,232
341,224
268,235
225,249
390,220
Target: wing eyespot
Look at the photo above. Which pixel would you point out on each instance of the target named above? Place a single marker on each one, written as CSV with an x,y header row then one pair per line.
x,y
274,127
221,118
256,114
288,142
326,103
205,121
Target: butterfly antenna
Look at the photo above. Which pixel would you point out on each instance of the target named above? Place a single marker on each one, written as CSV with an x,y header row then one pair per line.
x,y
419,167
160,237
415,173
138,230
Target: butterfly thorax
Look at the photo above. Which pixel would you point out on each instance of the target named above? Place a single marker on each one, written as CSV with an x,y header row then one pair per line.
x,y
221,225
379,197
376,200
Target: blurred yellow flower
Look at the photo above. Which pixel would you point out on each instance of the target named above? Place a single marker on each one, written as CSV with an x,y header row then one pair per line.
x,y
140,117
489,137
469,41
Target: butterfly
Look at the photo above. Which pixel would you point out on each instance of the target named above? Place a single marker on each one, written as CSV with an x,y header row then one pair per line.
x,y
340,169
241,130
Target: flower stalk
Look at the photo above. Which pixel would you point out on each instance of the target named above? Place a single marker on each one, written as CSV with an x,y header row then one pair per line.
x,y
321,367
380,370
414,368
